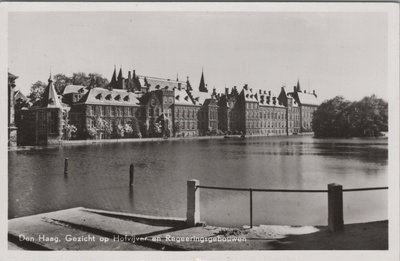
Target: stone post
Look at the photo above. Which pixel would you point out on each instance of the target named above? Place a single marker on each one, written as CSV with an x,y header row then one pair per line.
x,y
193,203
335,207
66,166
131,173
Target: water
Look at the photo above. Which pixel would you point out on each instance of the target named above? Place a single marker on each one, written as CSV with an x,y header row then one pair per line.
x,y
99,176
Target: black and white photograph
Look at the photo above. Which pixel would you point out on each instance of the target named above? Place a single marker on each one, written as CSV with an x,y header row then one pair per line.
x,y
200,131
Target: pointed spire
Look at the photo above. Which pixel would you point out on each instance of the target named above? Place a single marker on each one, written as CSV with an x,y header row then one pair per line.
x,y
202,85
188,85
120,80
120,73
50,80
298,85
113,81
177,77
50,97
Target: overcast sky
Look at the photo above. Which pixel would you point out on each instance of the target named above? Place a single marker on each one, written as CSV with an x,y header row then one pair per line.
x,y
333,53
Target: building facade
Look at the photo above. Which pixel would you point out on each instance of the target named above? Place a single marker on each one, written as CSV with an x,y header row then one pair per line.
x,y
145,106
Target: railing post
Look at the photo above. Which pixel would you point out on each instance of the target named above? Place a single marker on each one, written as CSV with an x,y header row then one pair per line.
x,y
131,172
251,208
193,203
335,207
66,166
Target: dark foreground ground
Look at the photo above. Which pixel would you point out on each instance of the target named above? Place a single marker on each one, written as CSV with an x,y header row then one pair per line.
x,y
86,229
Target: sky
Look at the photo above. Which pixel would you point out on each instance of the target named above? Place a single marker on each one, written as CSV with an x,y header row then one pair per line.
x,y
332,53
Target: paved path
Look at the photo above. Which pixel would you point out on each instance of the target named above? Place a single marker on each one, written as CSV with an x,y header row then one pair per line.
x,y
88,229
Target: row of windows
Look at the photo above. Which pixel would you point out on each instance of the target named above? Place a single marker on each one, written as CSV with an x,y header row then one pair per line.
x,y
186,113
266,115
251,105
99,110
265,124
187,125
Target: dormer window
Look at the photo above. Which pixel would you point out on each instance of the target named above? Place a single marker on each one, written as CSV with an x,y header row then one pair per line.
x,y
80,90
126,98
108,97
99,96
177,97
158,87
118,97
186,98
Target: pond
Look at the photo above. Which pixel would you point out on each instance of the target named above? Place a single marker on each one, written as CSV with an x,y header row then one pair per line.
x,y
99,178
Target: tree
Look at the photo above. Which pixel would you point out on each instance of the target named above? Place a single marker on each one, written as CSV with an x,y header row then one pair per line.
x,y
60,82
99,81
36,91
340,118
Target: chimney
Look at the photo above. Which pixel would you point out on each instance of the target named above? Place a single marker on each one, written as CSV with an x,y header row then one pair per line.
x,y
260,91
245,87
226,91
269,93
265,92
251,89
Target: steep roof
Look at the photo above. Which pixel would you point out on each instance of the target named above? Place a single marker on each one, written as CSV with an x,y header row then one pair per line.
x,y
268,100
308,99
182,97
101,96
248,94
75,89
155,83
50,97
199,98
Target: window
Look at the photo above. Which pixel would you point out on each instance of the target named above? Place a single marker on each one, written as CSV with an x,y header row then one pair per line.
x,y
52,124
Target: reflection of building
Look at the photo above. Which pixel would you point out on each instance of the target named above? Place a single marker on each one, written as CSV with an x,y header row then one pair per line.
x,y
145,106
12,129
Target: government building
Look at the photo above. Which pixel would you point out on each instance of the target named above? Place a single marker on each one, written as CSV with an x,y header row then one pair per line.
x,y
139,106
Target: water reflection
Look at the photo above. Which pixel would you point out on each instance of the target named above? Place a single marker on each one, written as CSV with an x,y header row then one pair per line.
x,y
98,177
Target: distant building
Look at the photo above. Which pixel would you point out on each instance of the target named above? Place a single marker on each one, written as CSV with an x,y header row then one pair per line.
x,y
146,106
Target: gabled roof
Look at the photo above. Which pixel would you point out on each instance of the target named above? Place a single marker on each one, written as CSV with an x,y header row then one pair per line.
x,y
268,100
308,99
75,89
154,83
101,96
199,98
19,95
249,95
182,97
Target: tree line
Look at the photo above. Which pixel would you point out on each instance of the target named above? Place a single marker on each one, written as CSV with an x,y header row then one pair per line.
x,y
60,81
338,117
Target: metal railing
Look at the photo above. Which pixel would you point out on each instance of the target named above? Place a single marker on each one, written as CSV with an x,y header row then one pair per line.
x,y
335,200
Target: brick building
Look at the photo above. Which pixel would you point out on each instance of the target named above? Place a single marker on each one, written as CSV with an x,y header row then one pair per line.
x,y
146,106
